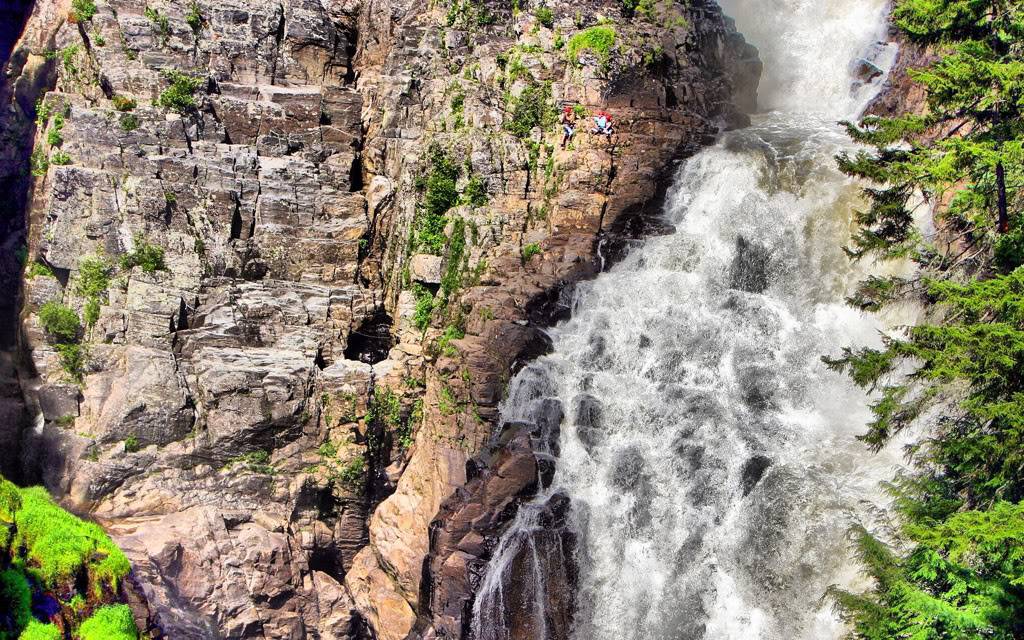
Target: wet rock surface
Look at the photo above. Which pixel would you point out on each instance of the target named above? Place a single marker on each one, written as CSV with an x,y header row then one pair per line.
x,y
261,418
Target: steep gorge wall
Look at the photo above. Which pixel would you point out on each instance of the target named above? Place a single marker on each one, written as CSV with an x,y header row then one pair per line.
x,y
231,421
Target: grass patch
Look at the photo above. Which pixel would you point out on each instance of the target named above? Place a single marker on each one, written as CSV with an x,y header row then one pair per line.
x,y
38,631
59,547
37,269
599,40
255,461
112,622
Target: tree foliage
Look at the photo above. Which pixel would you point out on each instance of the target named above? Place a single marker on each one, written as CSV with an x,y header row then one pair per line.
x,y
959,568
969,146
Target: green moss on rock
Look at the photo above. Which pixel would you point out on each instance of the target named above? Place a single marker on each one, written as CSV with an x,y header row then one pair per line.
x,y
599,40
38,631
58,546
15,603
113,622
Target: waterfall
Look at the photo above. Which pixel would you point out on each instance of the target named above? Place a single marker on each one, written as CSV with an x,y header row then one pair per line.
x,y
708,456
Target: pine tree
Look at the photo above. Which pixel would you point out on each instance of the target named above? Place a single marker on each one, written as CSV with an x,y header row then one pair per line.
x,y
958,569
968,147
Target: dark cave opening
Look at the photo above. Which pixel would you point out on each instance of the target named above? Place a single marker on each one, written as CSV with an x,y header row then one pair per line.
x,y
372,341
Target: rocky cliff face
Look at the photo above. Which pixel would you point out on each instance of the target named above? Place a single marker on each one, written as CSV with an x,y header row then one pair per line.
x,y
305,244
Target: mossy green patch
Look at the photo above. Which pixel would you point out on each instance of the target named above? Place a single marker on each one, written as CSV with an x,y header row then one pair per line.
x,y
599,40
59,546
15,603
38,631
113,622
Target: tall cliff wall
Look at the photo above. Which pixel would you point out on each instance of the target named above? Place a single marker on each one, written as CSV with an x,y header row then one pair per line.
x,y
307,243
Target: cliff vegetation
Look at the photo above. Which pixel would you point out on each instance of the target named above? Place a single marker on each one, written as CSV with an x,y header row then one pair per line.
x,y
58,573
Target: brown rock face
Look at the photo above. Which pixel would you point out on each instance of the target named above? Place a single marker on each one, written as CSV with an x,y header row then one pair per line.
x,y
308,242
900,94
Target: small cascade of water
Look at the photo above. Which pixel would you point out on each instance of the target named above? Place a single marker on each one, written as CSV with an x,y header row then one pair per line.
x,y
708,469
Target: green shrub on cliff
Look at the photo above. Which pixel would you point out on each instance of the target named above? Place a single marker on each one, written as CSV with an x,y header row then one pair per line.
x,y
82,10
960,506
149,257
161,24
180,96
351,474
424,306
39,162
73,360
439,195
129,122
475,193
60,158
530,250
451,280
598,40
533,108
54,136
60,321
545,16
38,269
194,17
124,103
112,622
93,282
641,7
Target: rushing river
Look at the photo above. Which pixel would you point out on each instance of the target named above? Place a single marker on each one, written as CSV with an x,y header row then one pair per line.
x,y
710,457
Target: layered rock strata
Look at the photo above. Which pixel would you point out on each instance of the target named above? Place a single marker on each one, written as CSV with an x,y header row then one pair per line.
x,y
307,244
